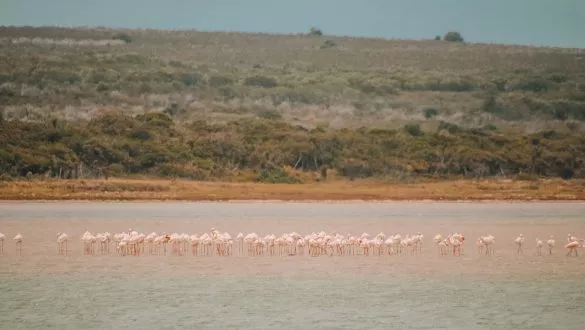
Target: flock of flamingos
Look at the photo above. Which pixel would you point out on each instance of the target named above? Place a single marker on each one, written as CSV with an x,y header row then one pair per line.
x,y
291,244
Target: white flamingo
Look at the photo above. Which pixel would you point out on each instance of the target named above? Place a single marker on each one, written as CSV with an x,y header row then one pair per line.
x,y
539,244
519,242
488,241
480,245
250,240
18,240
2,238
444,247
88,242
62,239
551,244
438,238
240,243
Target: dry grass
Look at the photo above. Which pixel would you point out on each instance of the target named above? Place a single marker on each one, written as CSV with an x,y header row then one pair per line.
x,y
126,189
315,81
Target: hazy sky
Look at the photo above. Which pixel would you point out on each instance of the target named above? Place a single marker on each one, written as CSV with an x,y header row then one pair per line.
x,y
537,22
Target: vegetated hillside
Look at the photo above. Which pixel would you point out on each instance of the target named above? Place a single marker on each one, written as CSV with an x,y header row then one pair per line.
x,y
307,80
234,106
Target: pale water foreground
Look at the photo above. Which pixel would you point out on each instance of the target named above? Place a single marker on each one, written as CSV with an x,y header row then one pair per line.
x,y
43,290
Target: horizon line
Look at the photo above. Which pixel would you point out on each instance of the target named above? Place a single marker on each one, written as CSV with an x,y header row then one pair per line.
x,y
290,34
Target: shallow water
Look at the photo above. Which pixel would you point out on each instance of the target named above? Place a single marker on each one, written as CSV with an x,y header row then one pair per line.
x,y
41,289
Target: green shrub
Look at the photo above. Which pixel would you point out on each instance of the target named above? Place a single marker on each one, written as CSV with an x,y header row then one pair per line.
x,y
276,175
270,115
190,79
413,129
261,81
156,119
328,44
490,127
123,36
430,112
452,128
216,81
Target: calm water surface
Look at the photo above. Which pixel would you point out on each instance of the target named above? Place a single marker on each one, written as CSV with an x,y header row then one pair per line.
x,y
43,290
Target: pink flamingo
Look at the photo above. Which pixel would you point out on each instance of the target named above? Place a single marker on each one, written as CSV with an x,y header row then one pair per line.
x,y
572,247
456,240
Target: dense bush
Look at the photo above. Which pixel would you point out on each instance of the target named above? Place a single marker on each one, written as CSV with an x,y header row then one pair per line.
x,y
328,44
153,144
123,36
261,81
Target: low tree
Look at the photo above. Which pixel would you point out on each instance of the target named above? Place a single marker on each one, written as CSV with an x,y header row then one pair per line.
x,y
315,32
453,36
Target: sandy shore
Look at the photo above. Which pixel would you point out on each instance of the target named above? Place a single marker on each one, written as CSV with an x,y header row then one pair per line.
x,y
160,190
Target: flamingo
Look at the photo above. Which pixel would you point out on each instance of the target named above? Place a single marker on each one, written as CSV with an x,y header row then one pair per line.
x,y
88,242
418,241
488,242
321,243
300,246
438,238
444,247
551,244
571,238
572,246
456,240
18,239
2,238
62,239
240,241
250,240
480,245
538,247
519,242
